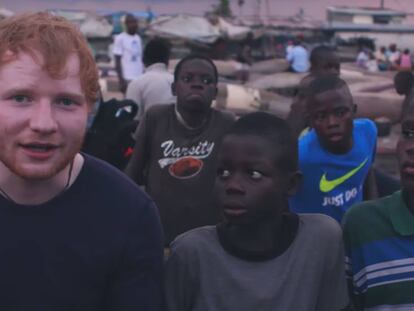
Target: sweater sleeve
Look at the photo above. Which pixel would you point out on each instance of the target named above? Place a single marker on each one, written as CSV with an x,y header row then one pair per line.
x,y
137,282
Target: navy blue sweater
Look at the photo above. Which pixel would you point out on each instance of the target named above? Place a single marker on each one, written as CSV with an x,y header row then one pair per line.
x,y
97,246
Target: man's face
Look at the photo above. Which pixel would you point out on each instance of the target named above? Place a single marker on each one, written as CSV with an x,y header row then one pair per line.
x,y
42,119
131,25
405,151
331,115
249,185
196,86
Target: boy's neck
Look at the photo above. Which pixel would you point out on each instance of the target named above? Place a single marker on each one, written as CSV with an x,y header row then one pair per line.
x,y
191,120
262,240
342,148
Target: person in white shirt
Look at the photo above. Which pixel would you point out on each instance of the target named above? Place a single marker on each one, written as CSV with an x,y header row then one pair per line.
x,y
298,58
154,86
128,53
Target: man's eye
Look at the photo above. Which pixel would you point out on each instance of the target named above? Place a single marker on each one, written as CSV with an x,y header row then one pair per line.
x,y
408,133
319,116
207,80
222,173
341,112
186,78
21,99
256,175
66,102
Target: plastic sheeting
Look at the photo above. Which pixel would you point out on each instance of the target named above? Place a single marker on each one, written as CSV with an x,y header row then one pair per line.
x,y
195,28
5,13
91,25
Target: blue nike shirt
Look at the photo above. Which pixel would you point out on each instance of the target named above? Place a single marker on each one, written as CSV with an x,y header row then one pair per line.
x,y
331,182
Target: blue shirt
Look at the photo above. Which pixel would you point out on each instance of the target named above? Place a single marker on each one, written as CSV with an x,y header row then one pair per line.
x,y
333,182
299,59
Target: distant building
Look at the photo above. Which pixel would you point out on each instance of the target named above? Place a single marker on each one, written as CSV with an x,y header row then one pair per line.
x,y
384,26
364,16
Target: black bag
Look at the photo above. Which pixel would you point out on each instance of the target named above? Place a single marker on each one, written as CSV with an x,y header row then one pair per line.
x,y
110,136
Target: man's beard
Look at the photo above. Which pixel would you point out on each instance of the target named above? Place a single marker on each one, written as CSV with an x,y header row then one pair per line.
x,y
51,171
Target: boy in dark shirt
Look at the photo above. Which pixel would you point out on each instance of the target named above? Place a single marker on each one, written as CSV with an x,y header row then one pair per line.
x,y
336,155
262,257
176,148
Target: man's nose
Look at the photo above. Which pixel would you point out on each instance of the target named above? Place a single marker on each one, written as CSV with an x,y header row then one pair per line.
x,y
409,148
332,120
42,119
234,185
197,86
197,83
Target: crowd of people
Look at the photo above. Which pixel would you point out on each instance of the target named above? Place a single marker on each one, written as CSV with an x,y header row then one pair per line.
x,y
385,59
212,212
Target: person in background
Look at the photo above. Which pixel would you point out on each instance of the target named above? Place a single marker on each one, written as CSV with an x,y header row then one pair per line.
x,y
393,56
262,256
372,64
382,59
245,59
76,234
176,149
336,155
154,86
289,47
127,50
362,58
405,61
323,60
403,84
378,238
298,58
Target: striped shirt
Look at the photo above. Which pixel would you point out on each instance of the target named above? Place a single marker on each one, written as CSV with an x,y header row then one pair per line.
x,y
379,246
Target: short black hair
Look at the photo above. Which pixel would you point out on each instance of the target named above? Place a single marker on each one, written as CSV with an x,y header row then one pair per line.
x,y
156,51
403,82
130,16
321,84
276,131
192,57
319,53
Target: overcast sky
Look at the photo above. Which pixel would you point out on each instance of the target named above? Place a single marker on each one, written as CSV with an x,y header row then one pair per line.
x,y
315,8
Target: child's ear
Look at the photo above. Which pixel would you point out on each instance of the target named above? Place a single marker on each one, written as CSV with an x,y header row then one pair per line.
x,y
295,180
173,91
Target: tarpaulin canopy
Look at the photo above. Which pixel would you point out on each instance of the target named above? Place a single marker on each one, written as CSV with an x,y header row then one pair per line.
x,y
195,28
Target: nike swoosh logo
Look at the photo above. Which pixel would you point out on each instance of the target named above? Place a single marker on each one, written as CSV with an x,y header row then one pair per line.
x,y
328,185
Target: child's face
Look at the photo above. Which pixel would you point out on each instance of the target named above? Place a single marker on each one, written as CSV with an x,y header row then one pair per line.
x,y
405,150
331,115
196,86
249,184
